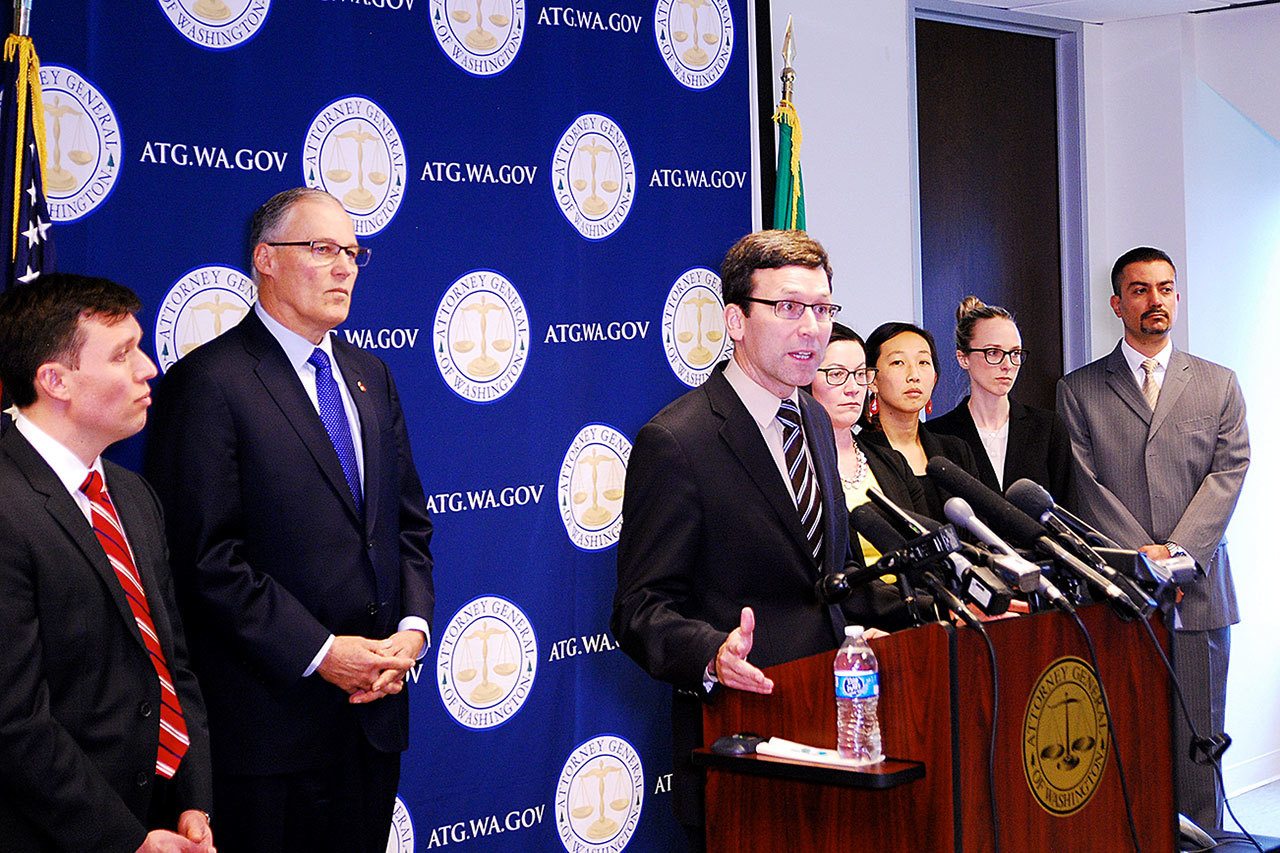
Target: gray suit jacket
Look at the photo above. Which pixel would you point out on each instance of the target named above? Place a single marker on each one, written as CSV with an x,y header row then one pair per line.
x,y
1172,475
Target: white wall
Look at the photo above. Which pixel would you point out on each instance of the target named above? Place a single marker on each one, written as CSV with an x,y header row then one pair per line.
x,y
1174,164
853,93
1181,117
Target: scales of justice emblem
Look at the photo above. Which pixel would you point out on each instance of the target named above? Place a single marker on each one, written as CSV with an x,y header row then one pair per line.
x,y
487,691
478,38
597,515
337,170
696,34
602,790
57,177
594,205
699,355
483,365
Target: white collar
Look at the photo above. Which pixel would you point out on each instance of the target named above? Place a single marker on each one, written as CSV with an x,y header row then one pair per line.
x,y
296,348
762,404
1135,358
66,465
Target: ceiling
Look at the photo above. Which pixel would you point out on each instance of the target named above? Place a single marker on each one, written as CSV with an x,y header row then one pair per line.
x,y
1103,11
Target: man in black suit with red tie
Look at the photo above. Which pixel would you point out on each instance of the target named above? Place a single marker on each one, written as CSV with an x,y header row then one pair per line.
x,y
300,539
733,506
103,741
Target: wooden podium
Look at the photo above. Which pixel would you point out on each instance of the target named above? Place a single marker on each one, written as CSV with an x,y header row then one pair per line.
x,y
935,711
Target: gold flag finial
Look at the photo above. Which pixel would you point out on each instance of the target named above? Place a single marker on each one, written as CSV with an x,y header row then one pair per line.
x,y
788,57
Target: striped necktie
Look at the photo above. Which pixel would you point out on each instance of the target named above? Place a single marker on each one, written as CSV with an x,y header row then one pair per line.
x,y
110,533
1150,389
803,481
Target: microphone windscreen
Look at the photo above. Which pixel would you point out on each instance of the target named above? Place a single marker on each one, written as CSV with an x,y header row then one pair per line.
x,y
1030,497
1000,515
875,528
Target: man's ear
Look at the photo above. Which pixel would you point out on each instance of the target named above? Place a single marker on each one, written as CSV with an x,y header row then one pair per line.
x,y
51,381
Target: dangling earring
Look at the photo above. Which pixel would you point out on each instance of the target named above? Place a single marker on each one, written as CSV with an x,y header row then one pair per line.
x,y
928,407
874,406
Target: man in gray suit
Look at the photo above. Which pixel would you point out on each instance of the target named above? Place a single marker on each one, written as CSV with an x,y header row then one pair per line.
x,y
1161,450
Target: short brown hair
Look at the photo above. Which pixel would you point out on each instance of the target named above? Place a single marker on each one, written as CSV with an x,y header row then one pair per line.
x,y
767,250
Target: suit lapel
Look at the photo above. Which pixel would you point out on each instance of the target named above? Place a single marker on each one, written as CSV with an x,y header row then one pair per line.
x,y
64,511
370,427
1121,380
283,386
1176,377
822,450
741,433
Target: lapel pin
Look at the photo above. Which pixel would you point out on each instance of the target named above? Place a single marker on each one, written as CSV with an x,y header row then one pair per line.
x,y
360,385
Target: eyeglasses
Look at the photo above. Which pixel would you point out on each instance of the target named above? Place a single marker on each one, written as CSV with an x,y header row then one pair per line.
x,y
790,309
325,252
837,376
995,355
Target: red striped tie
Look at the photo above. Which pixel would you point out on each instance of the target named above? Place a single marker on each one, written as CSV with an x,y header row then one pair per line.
x,y
110,533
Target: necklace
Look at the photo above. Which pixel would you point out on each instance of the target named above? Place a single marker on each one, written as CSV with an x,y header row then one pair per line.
x,y
860,472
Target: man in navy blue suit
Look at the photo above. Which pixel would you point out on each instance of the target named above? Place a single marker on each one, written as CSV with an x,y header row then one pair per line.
x,y
300,536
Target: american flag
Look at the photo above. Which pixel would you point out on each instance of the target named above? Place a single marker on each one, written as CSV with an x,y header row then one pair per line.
x,y
24,212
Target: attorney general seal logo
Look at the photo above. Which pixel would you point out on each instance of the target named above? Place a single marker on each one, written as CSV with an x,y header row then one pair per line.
x,y
481,38
481,336
1065,737
354,152
400,839
599,795
695,38
201,305
83,141
486,663
693,333
216,24
593,176
590,486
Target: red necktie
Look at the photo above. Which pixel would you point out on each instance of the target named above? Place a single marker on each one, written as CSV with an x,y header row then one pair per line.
x,y
110,533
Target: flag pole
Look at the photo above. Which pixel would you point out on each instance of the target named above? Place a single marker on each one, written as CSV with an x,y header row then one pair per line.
x,y
788,200
21,17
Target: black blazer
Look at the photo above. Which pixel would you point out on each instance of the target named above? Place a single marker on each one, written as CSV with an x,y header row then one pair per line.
x,y
1039,447
897,482
708,527
270,554
78,709
934,444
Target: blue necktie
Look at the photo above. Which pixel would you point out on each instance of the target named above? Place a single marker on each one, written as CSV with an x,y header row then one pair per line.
x,y
334,417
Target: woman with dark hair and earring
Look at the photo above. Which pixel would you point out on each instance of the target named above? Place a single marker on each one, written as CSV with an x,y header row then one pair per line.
x,y
1010,441
841,388
906,357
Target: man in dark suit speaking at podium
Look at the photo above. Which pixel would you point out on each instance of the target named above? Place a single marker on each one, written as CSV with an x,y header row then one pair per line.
x,y
1161,450
733,505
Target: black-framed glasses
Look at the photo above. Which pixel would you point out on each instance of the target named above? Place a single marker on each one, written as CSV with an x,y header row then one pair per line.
x,y
837,376
995,355
326,251
790,309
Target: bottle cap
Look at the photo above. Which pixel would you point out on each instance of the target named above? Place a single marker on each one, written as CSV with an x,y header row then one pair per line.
x,y
854,630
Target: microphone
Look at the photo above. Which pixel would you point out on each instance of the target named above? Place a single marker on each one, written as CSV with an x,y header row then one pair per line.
x,y
1020,572
869,522
1033,499
978,583
1024,530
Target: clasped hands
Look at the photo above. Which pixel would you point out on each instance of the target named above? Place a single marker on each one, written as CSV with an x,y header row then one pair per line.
x,y
371,669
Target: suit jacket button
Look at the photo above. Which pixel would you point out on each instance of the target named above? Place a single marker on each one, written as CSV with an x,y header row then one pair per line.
x,y
144,709
372,608
369,545
142,779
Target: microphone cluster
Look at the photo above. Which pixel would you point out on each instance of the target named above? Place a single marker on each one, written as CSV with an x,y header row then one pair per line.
x,y
1025,542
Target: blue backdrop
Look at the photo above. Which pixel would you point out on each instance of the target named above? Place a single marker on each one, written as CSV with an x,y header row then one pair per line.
x,y
546,190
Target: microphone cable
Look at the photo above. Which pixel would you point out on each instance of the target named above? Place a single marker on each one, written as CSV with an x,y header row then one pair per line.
x,y
1215,757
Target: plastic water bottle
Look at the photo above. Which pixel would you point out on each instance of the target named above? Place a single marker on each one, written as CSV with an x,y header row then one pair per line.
x,y
857,697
